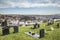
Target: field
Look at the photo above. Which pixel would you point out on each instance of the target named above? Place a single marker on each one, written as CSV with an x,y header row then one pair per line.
x,y
49,35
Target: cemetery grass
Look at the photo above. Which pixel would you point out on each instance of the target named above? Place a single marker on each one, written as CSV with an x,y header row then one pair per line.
x,y
49,35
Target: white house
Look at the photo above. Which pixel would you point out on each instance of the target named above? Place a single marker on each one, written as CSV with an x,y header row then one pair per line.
x,y
56,19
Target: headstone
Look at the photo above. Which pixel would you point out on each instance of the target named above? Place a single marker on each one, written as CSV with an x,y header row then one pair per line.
x,y
14,23
15,29
34,26
58,25
2,24
5,31
38,25
42,33
5,23
50,23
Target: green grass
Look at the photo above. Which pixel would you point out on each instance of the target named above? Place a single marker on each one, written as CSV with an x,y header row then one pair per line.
x,y
49,35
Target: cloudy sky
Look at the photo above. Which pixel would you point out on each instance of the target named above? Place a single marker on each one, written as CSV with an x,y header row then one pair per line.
x,y
30,7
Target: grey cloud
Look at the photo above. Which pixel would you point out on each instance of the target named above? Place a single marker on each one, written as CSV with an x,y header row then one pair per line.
x,y
13,3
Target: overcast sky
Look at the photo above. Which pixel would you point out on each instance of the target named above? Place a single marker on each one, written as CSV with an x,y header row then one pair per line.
x,y
32,7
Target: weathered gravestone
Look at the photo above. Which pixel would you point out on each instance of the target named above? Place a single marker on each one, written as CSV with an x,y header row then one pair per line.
x,y
58,25
14,23
15,26
5,29
49,23
36,26
15,29
41,33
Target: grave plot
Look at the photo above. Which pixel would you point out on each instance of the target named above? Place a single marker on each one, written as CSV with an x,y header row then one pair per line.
x,y
35,35
32,34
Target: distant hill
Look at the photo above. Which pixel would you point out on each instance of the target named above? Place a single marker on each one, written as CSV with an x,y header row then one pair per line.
x,y
37,16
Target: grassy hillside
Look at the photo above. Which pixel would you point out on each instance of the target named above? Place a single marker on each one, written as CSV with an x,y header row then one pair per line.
x,y
49,35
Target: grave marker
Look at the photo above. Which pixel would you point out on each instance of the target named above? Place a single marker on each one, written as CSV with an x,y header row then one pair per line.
x,y
42,33
36,26
58,25
5,29
15,29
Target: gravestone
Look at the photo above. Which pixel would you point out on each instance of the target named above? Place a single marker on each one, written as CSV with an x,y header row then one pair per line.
x,y
2,24
42,33
15,29
50,23
5,31
38,25
34,26
58,25
14,23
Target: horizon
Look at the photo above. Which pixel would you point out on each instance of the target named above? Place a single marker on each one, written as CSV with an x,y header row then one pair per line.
x,y
27,14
